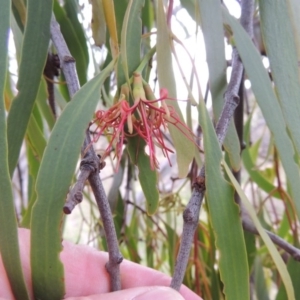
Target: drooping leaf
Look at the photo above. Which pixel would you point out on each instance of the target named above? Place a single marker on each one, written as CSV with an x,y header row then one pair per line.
x,y
261,289
9,246
147,177
224,216
114,23
268,103
294,12
281,267
294,271
131,38
147,15
34,52
166,78
55,173
215,55
277,30
250,166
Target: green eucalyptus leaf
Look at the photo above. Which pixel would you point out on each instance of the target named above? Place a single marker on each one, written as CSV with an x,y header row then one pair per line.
x,y
131,37
294,13
249,164
224,216
9,246
277,30
54,178
215,55
294,271
147,177
280,265
34,52
259,280
166,78
268,103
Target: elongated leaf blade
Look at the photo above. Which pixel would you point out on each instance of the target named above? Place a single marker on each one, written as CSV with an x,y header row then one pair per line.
x,y
9,247
166,78
34,52
281,267
77,40
215,55
268,103
294,13
277,30
148,178
55,173
250,166
224,215
131,37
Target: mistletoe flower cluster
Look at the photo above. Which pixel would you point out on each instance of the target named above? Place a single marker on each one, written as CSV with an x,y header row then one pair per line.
x,y
145,118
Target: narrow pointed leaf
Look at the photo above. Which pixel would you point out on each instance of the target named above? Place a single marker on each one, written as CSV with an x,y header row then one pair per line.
x,y
9,246
34,52
294,13
131,37
250,166
277,30
224,216
166,79
213,33
281,266
55,174
268,103
147,177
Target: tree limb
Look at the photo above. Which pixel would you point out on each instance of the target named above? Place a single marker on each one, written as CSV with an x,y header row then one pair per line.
x,y
90,166
192,211
277,240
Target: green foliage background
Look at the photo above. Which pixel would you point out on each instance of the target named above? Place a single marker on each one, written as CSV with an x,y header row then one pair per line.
x,y
42,152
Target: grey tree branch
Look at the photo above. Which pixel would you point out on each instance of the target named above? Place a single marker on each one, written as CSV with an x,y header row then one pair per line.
x,y
90,166
192,211
277,240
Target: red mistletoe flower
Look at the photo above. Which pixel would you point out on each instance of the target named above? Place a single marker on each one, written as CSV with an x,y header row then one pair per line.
x,y
144,118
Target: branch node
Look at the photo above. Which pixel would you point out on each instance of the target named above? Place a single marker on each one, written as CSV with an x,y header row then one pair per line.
x,y
199,184
89,164
69,59
188,215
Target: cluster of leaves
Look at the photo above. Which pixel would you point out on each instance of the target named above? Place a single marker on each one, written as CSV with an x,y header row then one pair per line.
x,y
224,258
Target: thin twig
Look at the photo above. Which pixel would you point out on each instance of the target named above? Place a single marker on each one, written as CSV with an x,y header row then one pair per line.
x,y
144,212
76,194
90,166
280,242
192,211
